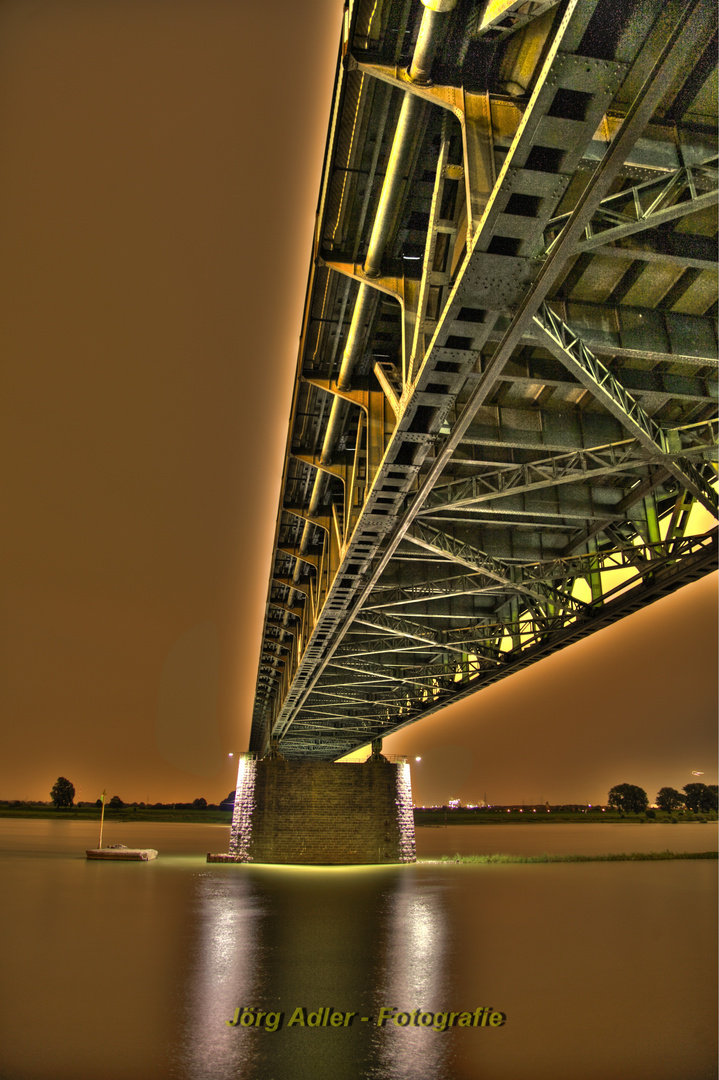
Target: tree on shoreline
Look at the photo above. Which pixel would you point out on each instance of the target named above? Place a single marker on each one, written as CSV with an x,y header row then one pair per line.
x,y
63,792
629,798
700,797
669,799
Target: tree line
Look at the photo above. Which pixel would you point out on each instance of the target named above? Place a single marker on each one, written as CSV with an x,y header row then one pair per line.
x,y
63,795
630,799
627,798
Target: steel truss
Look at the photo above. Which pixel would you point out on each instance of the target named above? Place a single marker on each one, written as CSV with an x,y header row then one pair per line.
x,y
505,408
645,206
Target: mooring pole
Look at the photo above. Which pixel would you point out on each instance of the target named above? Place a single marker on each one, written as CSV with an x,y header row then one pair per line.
x,y
102,817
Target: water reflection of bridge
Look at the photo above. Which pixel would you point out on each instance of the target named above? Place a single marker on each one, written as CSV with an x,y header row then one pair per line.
x,y
505,409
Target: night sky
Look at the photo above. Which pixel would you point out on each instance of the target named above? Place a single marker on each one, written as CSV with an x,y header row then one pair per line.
x,y
160,169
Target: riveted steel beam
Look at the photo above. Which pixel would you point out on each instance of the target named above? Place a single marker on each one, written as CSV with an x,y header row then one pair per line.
x,y
503,17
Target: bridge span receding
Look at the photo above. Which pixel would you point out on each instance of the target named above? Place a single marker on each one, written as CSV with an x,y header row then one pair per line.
x,y
503,428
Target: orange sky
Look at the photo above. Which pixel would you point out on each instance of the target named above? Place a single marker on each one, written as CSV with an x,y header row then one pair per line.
x,y
161,164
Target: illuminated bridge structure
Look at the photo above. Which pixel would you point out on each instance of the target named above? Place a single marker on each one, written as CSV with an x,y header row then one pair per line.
x,y
503,431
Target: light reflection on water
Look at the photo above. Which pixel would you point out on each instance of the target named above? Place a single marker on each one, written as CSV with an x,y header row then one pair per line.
x,y
225,968
415,978
323,939
131,971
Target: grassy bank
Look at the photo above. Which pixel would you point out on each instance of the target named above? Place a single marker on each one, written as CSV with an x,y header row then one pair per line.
x,y
632,856
439,817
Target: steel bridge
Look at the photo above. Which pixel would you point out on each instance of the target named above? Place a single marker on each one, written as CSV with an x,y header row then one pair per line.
x,y
503,430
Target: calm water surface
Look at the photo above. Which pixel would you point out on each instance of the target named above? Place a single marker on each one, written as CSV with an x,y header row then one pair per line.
x,y
564,839
130,971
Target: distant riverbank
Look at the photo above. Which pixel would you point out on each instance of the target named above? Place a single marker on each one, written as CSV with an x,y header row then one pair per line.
x,y
438,817
435,817
127,813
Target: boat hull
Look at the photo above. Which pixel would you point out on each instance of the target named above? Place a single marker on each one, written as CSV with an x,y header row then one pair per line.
x,y
122,854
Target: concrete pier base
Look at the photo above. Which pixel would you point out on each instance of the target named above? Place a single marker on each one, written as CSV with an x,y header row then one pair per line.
x,y
317,813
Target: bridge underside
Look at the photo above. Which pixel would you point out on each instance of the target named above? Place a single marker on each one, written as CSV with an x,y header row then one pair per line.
x,y
503,431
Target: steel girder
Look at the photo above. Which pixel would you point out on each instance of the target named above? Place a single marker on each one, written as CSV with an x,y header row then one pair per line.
x,y
491,489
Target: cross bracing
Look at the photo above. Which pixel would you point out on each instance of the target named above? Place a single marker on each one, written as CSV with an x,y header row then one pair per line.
x,y
646,206
503,431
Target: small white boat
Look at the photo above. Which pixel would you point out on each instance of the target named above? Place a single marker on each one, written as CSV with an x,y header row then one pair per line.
x,y
125,854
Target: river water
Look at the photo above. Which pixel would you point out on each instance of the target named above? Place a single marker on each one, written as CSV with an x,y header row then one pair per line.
x,y
131,971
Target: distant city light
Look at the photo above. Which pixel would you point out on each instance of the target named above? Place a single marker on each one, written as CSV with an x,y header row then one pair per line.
x,y
418,759
697,773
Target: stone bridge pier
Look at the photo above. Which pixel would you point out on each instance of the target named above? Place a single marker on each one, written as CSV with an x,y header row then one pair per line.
x,y
321,813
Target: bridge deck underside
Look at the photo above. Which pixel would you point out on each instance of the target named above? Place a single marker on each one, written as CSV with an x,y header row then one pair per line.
x,y
503,432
